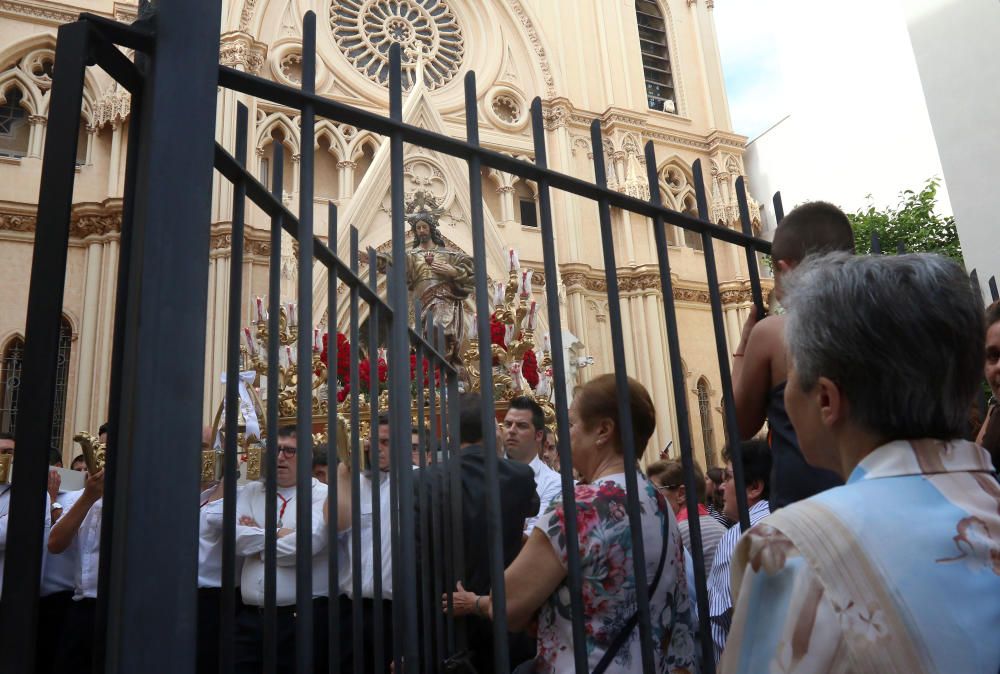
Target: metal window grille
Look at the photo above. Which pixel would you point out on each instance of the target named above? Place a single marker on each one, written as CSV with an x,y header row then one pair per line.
x,y
13,356
705,412
13,125
655,56
62,384
163,279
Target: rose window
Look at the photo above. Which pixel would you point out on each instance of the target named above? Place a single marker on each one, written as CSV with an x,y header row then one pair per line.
x,y
427,30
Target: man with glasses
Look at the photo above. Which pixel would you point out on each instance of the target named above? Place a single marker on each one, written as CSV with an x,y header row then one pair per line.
x,y
757,475
251,509
668,477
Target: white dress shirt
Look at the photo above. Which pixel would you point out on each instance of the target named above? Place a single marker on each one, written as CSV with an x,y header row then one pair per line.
x,y
4,512
548,484
86,546
346,543
59,572
210,540
250,543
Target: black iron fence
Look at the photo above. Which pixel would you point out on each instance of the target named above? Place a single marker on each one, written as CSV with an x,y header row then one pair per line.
x,y
147,609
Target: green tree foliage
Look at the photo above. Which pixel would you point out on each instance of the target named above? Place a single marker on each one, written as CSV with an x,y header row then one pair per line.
x,y
913,222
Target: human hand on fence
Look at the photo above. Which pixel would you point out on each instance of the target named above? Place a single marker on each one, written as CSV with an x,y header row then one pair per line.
x,y
284,532
247,521
747,329
463,601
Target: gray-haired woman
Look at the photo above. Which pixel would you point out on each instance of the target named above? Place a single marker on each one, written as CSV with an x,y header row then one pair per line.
x,y
886,354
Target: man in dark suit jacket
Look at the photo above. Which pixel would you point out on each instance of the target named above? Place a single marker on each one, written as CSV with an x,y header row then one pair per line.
x,y
518,500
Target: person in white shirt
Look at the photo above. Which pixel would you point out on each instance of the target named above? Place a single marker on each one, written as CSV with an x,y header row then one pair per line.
x,y
58,584
524,429
210,530
251,509
7,447
78,532
378,472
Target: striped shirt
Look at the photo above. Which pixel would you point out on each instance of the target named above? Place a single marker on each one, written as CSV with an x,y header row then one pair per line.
x,y
720,600
711,533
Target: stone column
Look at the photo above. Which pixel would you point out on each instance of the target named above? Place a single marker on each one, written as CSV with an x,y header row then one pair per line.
x,y
114,161
734,329
36,135
82,418
506,204
105,332
659,368
346,190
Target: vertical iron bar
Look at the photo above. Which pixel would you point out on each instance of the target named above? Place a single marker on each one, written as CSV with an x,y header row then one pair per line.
x,y
23,571
399,385
332,532
900,248
122,295
271,455
437,373
974,282
357,619
683,420
378,645
152,577
625,432
434,496
994,293
494,539
455,484
876,244
421,326
722,351
779,209
227,621
575,574
304,369
752,264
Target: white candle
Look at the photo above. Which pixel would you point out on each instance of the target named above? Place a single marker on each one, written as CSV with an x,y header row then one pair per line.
x,y
316,339
293,319
546,344
515,264
531,316
508,335
260,308
251,346
289,355
526,283
498,295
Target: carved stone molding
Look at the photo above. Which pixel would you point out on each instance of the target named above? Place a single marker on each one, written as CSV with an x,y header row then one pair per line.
x,y
648,279
240,50
246,14
112,107
37,10
536,45
223,240
556,116
87,219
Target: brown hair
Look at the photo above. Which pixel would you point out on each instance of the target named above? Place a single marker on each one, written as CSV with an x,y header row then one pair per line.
x,y
598,399
673,473
813,228
992,314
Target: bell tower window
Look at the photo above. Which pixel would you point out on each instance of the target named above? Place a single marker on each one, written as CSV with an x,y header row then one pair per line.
x,y
660,93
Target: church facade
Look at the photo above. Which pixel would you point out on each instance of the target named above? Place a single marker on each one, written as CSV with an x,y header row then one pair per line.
x,y
647,69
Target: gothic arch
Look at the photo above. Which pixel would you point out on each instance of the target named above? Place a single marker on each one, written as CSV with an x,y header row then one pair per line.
x,y
280,121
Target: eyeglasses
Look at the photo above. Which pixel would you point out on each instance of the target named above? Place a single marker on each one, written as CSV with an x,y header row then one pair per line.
x,y
669,487
727,475
288,451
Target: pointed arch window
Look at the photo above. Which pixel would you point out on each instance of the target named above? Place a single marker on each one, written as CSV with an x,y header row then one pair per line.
x,y
10,384
705,413
660,93
14,129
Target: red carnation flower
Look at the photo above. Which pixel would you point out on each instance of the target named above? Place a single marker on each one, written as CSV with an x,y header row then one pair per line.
x,y
529,368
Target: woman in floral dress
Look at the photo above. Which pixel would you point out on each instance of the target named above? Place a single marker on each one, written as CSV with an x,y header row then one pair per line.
x,y
537,582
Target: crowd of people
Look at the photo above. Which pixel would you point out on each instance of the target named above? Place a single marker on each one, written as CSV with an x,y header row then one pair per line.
x,y
874,539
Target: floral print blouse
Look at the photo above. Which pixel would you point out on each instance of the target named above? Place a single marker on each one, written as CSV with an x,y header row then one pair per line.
x,y
609,596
